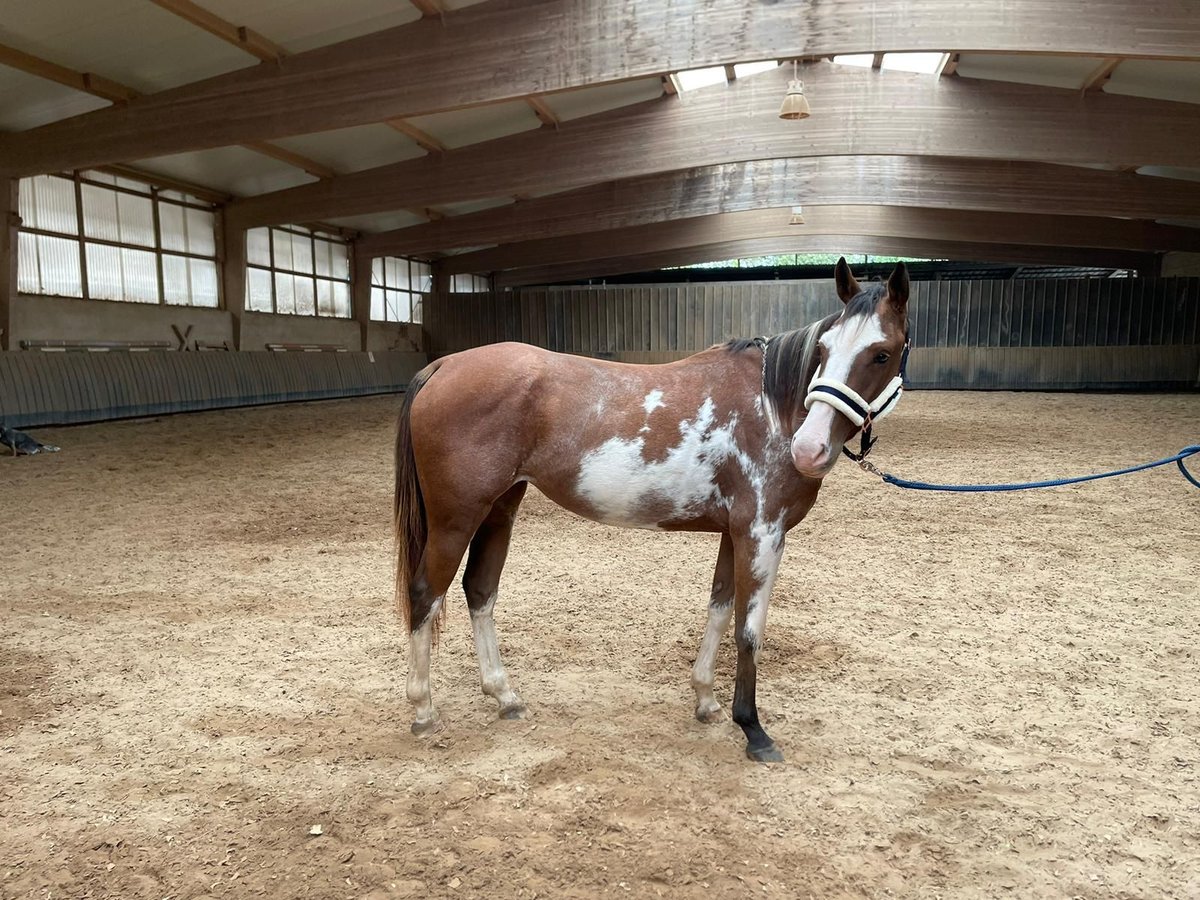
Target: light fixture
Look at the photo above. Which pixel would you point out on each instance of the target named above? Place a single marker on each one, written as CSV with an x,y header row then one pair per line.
x,y
795,104
797,216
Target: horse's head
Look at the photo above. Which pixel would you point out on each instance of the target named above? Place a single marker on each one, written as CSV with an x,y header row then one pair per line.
x,y
861,351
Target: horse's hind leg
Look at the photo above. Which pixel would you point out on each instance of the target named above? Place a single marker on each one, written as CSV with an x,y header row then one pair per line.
x,y
489,549
720,609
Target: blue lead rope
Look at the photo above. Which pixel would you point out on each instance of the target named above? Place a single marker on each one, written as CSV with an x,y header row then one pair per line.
x,y
1178,459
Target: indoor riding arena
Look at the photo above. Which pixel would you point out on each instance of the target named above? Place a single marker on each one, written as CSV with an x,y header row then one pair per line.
x,y
306,307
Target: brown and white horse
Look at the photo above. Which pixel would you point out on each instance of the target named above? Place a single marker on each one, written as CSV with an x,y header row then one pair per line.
x,y
734,440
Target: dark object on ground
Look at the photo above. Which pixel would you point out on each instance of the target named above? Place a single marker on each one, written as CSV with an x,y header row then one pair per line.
x,y
22,444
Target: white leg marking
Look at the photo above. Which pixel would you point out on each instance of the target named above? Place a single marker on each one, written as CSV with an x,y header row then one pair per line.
x,y
491,669
420,645
703,672
769,551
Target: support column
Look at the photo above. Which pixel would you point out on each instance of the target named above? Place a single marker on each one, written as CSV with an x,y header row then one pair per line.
x,y
9,220
360,291
233,274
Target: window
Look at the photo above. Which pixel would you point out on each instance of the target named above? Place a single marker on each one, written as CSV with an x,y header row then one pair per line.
x,y
469,284
397,288
295,271
104,237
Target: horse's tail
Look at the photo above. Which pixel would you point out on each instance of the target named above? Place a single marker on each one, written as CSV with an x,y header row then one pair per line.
x,y
408,509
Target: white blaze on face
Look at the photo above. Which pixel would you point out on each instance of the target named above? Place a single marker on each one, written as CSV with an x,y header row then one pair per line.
x,y
813,450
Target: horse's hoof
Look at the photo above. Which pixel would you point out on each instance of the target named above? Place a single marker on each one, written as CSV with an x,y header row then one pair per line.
x,y
767,754
427,727
710,716
515,711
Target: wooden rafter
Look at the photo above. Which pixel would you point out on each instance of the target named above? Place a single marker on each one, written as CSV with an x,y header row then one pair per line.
x,y
107,89
423,139
240,36
929,182
958,118
1100,75
949,65
418,68
544,113
877,61
885,221
849,243
429,8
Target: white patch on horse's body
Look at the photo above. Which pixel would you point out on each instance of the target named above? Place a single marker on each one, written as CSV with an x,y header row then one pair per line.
x,y
624,489
491,670
653,401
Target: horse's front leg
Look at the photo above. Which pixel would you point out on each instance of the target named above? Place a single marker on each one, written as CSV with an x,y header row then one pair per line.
x,y
757,552
720,610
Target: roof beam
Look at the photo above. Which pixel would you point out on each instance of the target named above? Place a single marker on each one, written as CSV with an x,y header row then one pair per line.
x,y
417,68
1100,75
951,117
240,36
422,139
429,8
850,243
885,221
1014,187
544,113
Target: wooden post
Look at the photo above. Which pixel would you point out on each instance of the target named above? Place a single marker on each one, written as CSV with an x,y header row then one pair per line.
x,y
233,275
360,291
9,219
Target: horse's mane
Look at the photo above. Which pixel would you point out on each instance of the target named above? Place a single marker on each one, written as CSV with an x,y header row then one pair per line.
x,y
791,357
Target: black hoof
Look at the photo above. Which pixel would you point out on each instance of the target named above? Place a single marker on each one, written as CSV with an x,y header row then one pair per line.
x,y
518,711
768,754
427,727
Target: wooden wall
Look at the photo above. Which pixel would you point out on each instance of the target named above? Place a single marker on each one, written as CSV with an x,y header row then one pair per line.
x,y
1020,334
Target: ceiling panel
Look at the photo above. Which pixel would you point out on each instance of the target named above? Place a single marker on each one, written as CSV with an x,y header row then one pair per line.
x,y
590,101
461,209
1161,79
1049,71
380,221
300,25
27,101
482,123
130,41
353,149
231,169
1170,172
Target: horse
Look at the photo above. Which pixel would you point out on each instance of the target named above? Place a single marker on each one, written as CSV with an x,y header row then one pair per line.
x,y
735,440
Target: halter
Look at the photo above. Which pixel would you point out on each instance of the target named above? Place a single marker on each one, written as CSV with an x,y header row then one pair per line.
x,y
849,403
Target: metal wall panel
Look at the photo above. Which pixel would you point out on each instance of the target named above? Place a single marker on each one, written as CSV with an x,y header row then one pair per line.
x,y
63,388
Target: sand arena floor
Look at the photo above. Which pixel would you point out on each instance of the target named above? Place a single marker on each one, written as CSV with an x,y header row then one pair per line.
x,y
978,696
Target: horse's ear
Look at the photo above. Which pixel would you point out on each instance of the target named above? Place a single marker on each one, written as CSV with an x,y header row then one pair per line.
x,y
847,287
897,287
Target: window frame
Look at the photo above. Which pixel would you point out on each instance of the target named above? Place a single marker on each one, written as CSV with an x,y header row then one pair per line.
x,y
274,269
154,193
416,297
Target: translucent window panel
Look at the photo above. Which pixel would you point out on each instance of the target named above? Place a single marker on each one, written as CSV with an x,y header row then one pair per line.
x,y
102,177
258,247
172,223
306,297
205,291
397,306
341,299
324,297
378,313
100,217
377,266
201,231
418,301
122,273
389,271
321,257
282,242
422,278
258,290
48,265
136,215
48,203
340,254
302,254
131,185
104,272
177,287
285,294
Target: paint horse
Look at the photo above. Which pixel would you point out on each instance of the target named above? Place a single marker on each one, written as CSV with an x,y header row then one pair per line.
x,y
733,440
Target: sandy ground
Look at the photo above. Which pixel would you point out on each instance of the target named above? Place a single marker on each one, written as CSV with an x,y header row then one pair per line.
x,y
978,695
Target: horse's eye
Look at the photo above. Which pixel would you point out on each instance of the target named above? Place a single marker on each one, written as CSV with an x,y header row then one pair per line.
x,y
881,358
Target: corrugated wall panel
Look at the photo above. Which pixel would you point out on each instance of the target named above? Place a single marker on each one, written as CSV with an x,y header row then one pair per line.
x,y
63,388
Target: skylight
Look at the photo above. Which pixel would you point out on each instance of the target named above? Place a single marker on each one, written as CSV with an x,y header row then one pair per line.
x,y
745,70
921,63
855,59
698,78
